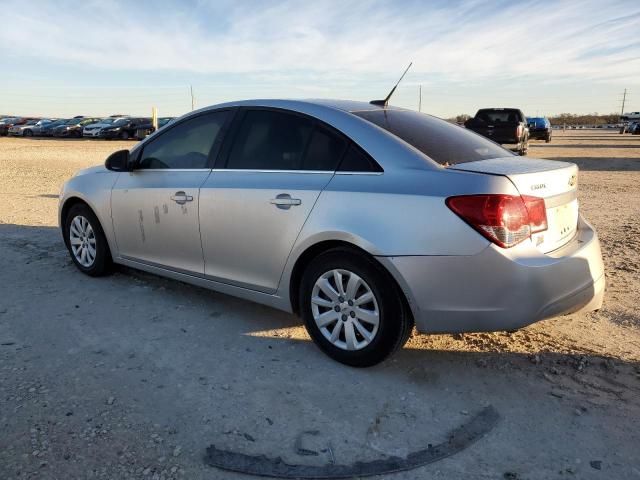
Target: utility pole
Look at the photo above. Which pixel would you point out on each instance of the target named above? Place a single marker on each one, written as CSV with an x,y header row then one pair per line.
x,y
420,98
624,97
193,103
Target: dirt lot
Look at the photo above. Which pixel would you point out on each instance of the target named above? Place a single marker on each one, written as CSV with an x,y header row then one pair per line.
x,y
133,376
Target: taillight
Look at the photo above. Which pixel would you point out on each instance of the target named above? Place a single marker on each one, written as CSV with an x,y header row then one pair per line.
x,y
519,131
505,220
537,213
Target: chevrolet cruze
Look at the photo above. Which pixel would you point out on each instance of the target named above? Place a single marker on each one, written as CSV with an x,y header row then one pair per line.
x,y
363,219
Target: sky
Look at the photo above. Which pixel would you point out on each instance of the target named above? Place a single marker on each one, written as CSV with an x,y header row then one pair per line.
x,y
67,58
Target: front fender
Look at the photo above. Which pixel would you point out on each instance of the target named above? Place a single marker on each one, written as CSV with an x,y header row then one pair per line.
x,y
94,189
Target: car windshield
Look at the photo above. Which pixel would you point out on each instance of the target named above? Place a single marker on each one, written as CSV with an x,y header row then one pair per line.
x,y
31,122
107,121
441,141
73,121
121,121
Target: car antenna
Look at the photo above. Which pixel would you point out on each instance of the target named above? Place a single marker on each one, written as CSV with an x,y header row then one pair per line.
x,y
385,102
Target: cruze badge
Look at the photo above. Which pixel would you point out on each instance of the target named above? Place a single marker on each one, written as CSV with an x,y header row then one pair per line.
x,y
538,186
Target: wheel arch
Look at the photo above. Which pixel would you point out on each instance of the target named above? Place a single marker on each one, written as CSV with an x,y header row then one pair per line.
x,y
312,251
67,205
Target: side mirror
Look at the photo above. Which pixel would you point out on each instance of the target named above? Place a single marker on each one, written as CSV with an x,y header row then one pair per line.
x,y
118,161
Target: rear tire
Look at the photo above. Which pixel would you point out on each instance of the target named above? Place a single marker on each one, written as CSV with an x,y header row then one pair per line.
x,y
353,310
86,242
524,148
547,139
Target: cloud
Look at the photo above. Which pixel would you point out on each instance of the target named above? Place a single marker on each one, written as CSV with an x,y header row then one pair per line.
x,y
462,41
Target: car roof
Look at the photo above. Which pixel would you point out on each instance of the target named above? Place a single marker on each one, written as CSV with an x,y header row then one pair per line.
x,y
344,105
388,150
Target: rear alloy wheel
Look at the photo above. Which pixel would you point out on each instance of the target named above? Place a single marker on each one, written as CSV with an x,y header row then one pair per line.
x,y
86,241
352,309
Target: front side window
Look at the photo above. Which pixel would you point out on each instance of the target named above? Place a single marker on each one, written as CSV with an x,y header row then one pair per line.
x,y
270,140
186,145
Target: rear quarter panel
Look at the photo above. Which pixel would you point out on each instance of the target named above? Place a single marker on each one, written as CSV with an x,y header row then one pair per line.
x,y
396,214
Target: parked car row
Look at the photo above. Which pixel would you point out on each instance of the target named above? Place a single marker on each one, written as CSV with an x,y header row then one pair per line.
x,y
632,128
121,127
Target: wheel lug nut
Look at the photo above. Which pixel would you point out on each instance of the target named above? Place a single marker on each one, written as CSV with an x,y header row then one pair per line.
x,y
341,299
344,318
337,308
350,303
353,314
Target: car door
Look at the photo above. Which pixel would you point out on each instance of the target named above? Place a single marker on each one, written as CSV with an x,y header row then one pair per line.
x,y
155,207
265,184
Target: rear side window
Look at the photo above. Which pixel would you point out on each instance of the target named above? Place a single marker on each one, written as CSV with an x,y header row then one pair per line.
x,y
187,145
270,140
325,150
355,160
441,141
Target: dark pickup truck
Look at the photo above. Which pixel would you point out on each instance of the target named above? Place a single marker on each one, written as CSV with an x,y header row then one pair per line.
x,y
506,126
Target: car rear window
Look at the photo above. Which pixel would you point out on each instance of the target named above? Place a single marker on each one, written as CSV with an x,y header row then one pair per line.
x,y
441,141
502,115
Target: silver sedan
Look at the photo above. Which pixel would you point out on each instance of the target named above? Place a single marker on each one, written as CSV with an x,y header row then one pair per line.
x,y
364,220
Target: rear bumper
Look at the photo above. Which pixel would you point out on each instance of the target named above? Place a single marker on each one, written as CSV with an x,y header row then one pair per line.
x,y
500,289
539,134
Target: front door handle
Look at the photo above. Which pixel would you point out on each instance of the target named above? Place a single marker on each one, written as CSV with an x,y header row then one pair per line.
x,y
181,198
284,201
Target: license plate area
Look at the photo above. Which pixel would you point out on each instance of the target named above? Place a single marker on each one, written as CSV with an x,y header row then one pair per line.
x,y
562,225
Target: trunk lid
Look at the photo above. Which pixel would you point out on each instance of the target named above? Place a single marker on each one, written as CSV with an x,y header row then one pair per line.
x,y
556,182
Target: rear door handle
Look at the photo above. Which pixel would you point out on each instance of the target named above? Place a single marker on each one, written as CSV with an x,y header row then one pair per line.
x,y
181,198
284,201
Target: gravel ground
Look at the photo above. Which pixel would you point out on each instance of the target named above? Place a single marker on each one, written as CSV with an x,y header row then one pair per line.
x,y
133,376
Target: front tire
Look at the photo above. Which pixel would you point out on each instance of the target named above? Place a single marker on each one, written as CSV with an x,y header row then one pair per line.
x,y
86,241
352,308
124,135
28,133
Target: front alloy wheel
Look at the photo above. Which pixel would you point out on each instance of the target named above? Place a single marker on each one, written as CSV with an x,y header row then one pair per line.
x,y
86,241
83,241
